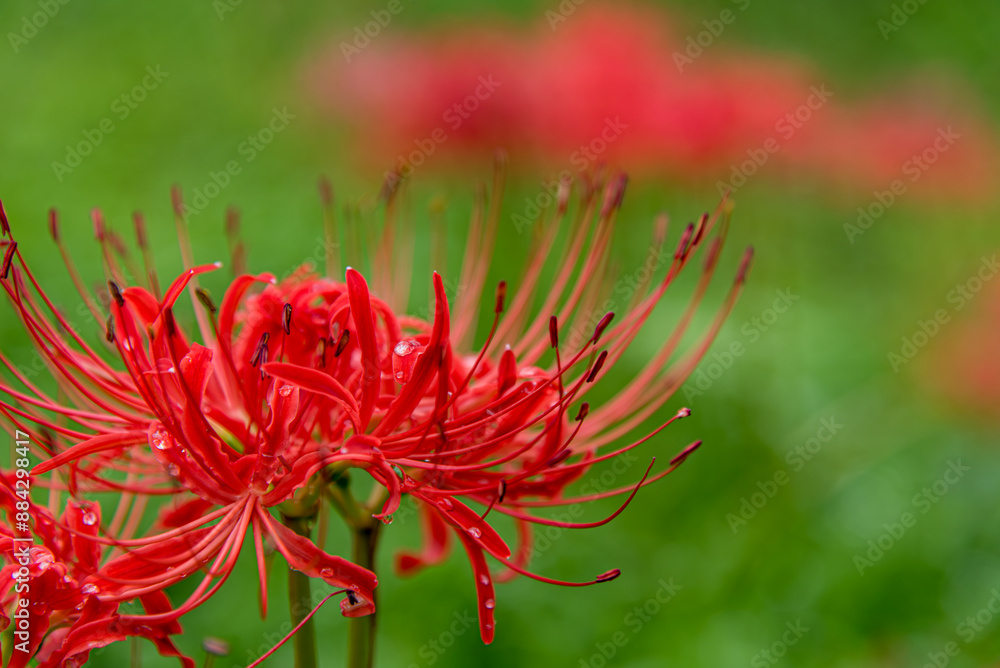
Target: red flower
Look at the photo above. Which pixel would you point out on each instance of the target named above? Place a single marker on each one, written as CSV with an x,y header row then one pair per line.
x,y
300,380
47,587
631,87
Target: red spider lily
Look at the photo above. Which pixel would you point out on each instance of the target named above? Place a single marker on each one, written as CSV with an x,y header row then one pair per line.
x,y
299,380
49,584
630,86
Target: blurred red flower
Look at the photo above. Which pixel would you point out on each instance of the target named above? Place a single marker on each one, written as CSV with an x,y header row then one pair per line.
x,y
618,84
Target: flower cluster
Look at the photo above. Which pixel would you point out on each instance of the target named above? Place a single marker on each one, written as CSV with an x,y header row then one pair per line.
x,y
637,88
253,433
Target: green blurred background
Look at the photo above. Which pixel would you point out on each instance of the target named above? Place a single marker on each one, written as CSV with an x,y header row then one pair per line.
x,y
738,587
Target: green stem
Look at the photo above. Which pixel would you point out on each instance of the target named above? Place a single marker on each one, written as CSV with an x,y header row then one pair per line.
x,y
361,635
300,603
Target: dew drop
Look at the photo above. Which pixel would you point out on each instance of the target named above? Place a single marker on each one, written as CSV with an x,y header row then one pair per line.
x,y
387,519
326,572
41,557
489,604
285,390
446,503
89,518
173,469
160,439
475,532
404,348
89,589
404,359
484,580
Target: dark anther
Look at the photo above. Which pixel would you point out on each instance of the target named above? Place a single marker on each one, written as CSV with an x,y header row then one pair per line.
x,y
8,258
205,299
597,366
54,225
286,319
352,597
110,330
584,411
501,297
554,332
501,490
169,322
559,457
609,576
116,293
602,325
345,336
260,355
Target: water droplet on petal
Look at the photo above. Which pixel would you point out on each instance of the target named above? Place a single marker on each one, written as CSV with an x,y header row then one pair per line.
x,y
387,519
41,557
285,390
326,572
89,518
173,469
404,358
489,604
89,589
160,439
484,579
475,532
445,503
